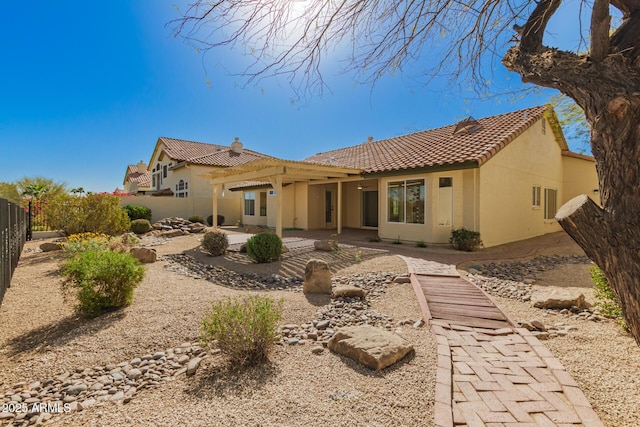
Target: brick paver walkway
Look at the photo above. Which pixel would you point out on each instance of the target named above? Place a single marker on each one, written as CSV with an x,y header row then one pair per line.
x,y
499,377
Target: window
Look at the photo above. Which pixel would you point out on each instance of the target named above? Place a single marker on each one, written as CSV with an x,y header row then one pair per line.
x,y
550,203
153,180
250,204
181,189
406,201
535,196
445,201
164,171
263,203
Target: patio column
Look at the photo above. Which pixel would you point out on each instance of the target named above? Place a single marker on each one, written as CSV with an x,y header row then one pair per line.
x,y
216,192
339,208
276,183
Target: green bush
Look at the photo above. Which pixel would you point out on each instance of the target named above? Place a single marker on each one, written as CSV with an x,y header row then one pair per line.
x,y
97,213
140,226
465,240
606,300
421,244
264,247
245,329
210,220
196,218
215,243
138,212
101,280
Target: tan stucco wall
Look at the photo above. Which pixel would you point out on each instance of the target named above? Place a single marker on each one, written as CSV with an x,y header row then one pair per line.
x,y
166,207
580,177
505,188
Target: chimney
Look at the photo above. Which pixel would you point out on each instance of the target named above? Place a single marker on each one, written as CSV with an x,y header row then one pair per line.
x,y
370,139
142,167
236,146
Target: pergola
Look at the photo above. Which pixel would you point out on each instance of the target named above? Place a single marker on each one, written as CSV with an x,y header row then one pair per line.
x,y
277,173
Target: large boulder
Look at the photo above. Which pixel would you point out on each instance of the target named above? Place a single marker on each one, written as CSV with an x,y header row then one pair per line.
x,y
375,348
50,246
558,298
317,277
144,255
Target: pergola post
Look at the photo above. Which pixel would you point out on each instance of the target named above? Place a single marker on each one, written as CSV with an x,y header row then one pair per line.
x,y
339,208
214,220
276,183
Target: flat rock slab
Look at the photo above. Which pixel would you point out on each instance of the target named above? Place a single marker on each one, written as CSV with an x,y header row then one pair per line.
x,y
558,299
375,348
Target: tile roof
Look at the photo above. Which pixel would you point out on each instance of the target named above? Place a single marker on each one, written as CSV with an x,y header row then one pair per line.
x,y
143,179
206,154
435,147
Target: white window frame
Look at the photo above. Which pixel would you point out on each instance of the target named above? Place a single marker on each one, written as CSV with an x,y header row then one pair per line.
x,y
249,197
550,215
536,197
404,200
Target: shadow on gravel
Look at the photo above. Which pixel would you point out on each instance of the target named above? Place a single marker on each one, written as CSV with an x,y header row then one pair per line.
x,y
363,370
55,334
216,380
318,300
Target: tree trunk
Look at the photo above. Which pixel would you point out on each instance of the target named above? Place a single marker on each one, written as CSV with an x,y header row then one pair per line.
x,y
609,93
618,259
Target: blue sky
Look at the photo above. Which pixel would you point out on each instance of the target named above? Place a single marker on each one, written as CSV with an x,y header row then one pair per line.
x,y
87,87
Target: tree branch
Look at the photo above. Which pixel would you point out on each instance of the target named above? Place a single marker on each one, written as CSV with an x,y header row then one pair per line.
x,y
600,26
533,31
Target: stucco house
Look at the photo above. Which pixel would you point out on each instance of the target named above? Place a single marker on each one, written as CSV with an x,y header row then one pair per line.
x,y
176,185
504,176
137,179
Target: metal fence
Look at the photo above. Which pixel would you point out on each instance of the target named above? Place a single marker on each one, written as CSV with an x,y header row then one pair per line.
x,y
14,226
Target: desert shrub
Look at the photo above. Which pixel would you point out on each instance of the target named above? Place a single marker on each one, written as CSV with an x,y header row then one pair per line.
x,y
245,328
98,213
210,220
421,244
82,242
264,247
196,218
215,243
463,239
138,212
101,280
606,299
140,226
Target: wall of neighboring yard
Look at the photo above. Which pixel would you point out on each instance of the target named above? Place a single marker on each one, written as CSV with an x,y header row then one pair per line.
x,y
506,181
580,177
166,207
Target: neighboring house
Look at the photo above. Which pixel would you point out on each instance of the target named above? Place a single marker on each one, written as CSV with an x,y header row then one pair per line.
x,y
176,183
137,179
504,176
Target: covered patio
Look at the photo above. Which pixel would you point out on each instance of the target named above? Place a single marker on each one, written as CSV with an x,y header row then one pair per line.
x,y
276,174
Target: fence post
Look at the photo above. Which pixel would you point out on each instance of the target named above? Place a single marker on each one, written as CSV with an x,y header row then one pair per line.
x,y
30,222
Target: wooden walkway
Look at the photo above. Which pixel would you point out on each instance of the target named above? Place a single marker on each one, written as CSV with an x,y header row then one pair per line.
x,y
453,299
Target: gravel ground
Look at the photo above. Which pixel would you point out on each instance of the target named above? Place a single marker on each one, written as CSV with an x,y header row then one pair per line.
x,y
41,338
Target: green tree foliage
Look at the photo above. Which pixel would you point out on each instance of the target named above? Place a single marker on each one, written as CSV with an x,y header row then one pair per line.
x,y
573,121
40,188
9,191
